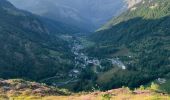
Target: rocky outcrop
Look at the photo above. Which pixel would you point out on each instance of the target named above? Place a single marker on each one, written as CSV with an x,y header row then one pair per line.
x,y
21,87
131,3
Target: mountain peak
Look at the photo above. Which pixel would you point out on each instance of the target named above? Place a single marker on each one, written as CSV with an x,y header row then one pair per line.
x,y
131,3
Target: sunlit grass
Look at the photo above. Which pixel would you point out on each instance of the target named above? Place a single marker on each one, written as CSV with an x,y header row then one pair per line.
x,y
90,96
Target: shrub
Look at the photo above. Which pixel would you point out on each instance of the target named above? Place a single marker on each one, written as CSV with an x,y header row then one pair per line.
x,y
106,97
141,87
154,86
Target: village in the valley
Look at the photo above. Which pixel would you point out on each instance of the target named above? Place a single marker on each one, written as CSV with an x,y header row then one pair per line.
x,y
82,60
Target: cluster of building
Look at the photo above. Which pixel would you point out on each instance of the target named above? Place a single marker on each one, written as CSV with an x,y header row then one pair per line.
x,y
82,60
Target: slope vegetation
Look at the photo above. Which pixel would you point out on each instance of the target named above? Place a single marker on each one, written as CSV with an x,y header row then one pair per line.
x,y
140,38
20,89
30,49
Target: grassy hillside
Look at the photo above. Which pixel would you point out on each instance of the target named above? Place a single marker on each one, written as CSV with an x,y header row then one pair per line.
x,y
20,89
147,9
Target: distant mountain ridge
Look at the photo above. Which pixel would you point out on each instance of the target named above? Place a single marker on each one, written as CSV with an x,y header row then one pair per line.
x,y
84,14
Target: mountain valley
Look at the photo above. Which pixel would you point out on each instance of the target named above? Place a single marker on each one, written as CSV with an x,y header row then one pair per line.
x,y
125,59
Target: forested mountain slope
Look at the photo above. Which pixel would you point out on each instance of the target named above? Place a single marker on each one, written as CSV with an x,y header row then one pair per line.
x,y
30,49
140,38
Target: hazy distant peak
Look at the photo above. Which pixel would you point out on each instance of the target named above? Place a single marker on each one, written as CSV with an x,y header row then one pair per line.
x,y
5,3
88,14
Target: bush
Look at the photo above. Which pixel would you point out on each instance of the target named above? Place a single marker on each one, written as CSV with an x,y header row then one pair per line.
x,y
154,87
106,97
141,87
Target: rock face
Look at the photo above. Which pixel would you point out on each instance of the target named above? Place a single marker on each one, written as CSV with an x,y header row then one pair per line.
x,y
131,3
